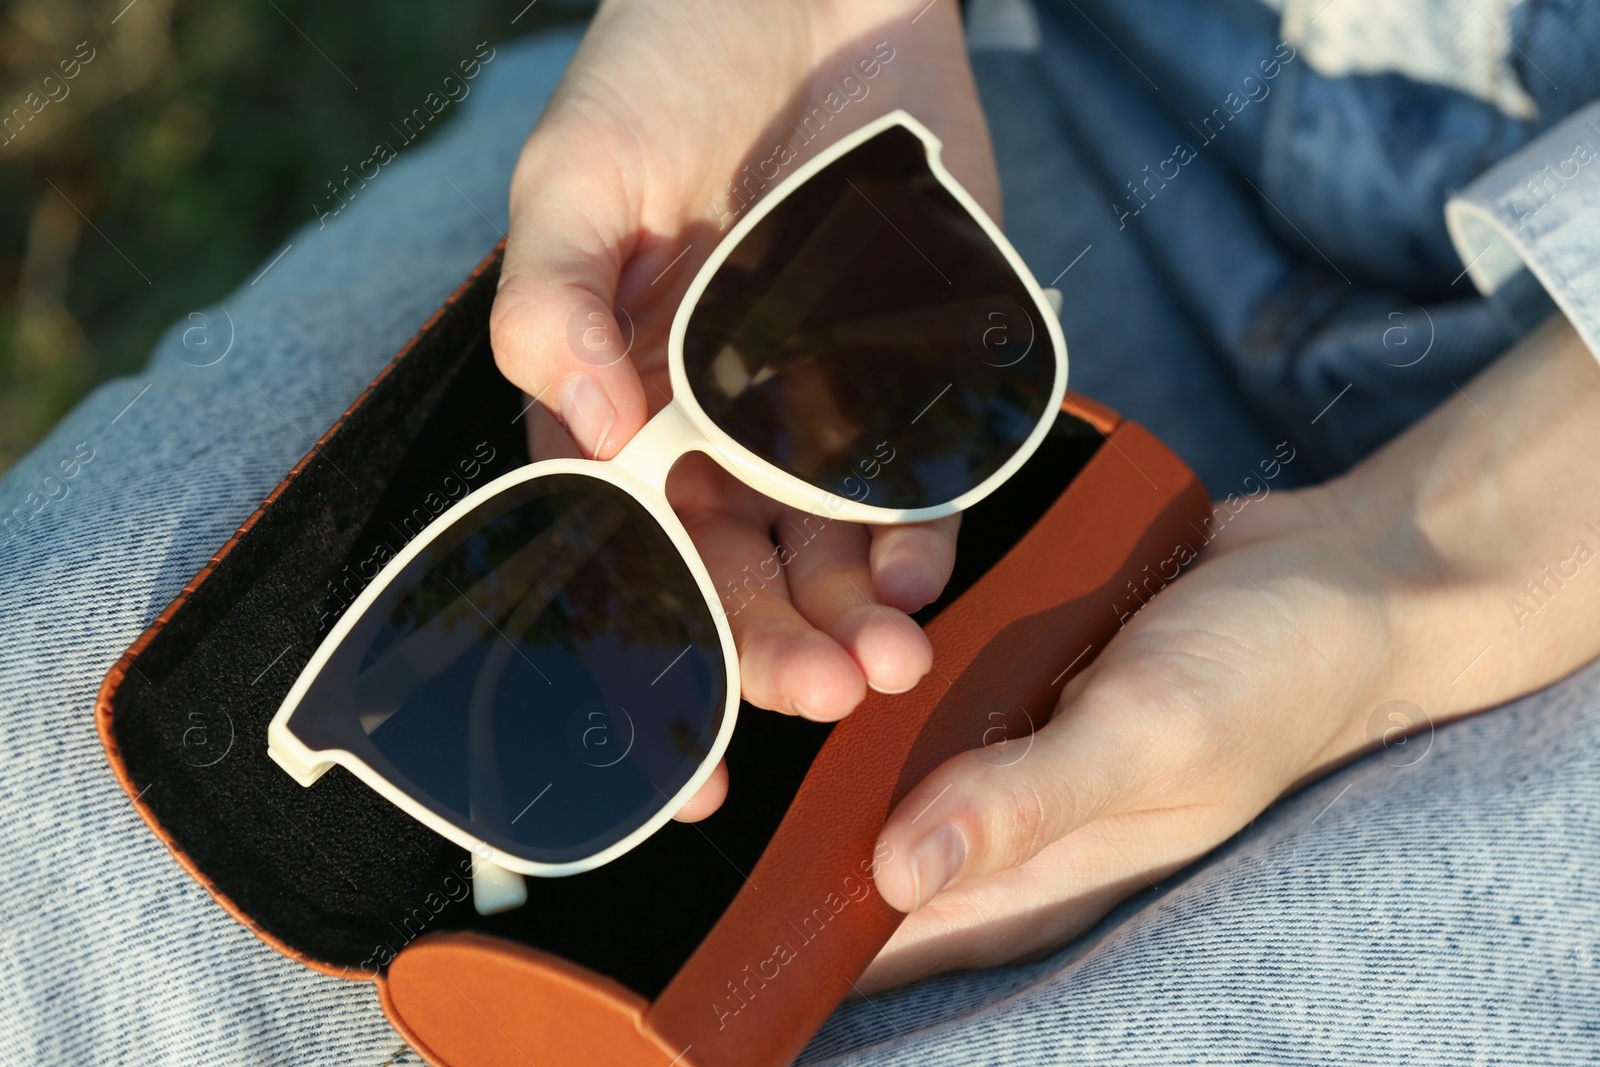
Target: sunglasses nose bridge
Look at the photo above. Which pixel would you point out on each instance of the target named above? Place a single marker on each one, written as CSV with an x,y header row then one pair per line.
x,y
658,445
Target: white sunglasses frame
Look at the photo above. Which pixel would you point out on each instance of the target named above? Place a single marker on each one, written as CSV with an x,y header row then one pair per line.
x,y
641,470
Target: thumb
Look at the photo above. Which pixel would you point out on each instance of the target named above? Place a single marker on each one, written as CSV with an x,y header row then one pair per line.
x,y
553,328
996,807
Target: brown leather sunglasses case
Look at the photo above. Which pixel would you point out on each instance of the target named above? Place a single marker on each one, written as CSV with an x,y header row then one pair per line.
x,y
726,942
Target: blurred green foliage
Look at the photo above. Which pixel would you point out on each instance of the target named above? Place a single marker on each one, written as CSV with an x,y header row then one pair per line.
x,y
193,141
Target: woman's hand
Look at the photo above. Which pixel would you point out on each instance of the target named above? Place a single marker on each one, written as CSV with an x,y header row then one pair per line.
x,y
631,177
1271,662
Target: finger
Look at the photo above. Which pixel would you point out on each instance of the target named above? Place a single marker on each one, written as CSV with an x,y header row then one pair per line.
x,y
991,809
992,921
708,798
546,437
785,664
830,584
553,327
911,564
1028,910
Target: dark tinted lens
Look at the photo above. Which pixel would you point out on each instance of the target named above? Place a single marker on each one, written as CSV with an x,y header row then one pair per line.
x,y
547,673
867,337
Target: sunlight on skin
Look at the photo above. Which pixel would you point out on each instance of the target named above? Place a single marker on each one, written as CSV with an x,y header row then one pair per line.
x,y
620,195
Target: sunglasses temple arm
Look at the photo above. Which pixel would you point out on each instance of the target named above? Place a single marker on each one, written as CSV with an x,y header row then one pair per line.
x,y
495,889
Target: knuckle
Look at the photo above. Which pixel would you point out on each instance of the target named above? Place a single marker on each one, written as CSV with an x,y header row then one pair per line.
x,y
1010,816
1033,815
1154,731
508,333
520,328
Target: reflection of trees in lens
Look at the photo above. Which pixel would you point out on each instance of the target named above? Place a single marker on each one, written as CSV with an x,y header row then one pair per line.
x,y
637,589
823,408
608,566
848,314
687,740
535,632
456,564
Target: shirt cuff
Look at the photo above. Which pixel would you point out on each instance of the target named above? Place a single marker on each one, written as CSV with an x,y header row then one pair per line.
x,y
1528,229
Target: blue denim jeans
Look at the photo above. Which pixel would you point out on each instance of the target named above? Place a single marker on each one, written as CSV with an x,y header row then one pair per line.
x,y
1438,903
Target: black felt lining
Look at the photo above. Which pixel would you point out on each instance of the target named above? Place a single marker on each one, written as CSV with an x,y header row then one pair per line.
x,y
334,871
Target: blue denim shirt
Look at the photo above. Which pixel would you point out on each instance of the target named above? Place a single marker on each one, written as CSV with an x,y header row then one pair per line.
x,y
1381,197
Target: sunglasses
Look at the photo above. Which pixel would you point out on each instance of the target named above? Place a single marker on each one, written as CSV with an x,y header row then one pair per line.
x,y
546,674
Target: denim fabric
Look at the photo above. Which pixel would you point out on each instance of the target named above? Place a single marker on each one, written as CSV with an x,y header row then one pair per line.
x,y
1433,904
1301,232
109,952
1441,911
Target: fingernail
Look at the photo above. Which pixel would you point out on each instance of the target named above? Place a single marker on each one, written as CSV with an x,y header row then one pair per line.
x,y
891,692
904,582
797,709
936,861
587,413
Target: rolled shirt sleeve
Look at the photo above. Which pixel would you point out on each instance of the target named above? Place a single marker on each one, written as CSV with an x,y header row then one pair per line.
x,y
1528,229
